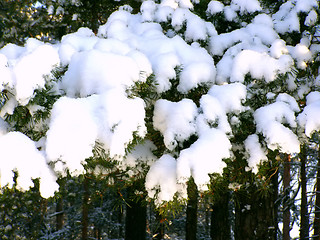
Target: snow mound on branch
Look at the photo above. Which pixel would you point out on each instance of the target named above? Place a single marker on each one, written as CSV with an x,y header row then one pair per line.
x,y
259,31
5,73
72,132
309,119
248,6
287,18
212,113
19,153
165,54
259,65
214,7
93,71
301,54
230,96
278,48
257,154
23,68
270,120
219,101
76,124
82,40
162,178
203,157
29,71
175,120
140,157
247,50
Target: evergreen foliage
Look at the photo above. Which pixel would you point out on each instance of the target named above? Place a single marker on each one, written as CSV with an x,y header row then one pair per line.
x,y
107,197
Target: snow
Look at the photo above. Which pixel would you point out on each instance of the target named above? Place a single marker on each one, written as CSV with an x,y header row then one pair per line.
x,y
301,54
6,74
142,153
311,18
214,7
175,120
79,41
259,65
248,6
270,120
72,134
257,153
230,13
169,53
19,153
278,48
77,123
309,119
287,19
97,108
23,68
92,72
203,157
230,96
162,174
29,70
212,113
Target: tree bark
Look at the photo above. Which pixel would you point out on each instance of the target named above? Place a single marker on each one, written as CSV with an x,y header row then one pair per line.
x,y
192,211
220,228
85,220
304,224
256,208
60,215
286,205
256,217
316,223
136,215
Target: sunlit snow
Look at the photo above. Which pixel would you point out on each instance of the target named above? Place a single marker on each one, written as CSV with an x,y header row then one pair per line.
x,y
129,48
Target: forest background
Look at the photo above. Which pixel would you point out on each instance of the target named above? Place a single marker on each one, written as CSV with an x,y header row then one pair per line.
x,y
218,132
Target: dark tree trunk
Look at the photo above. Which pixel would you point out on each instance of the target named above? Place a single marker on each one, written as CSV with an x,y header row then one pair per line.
x,y
245,218
256,218
192,211
316,223
256,209
220,221
85,220
304,224
94,16
286,204
60,215
136,215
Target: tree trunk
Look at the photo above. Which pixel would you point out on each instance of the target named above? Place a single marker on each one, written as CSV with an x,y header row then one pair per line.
x,y
60,215
256,217
192,211
85,220
304,224
256,208
286,204
316,223
136,215
245,218
220,222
